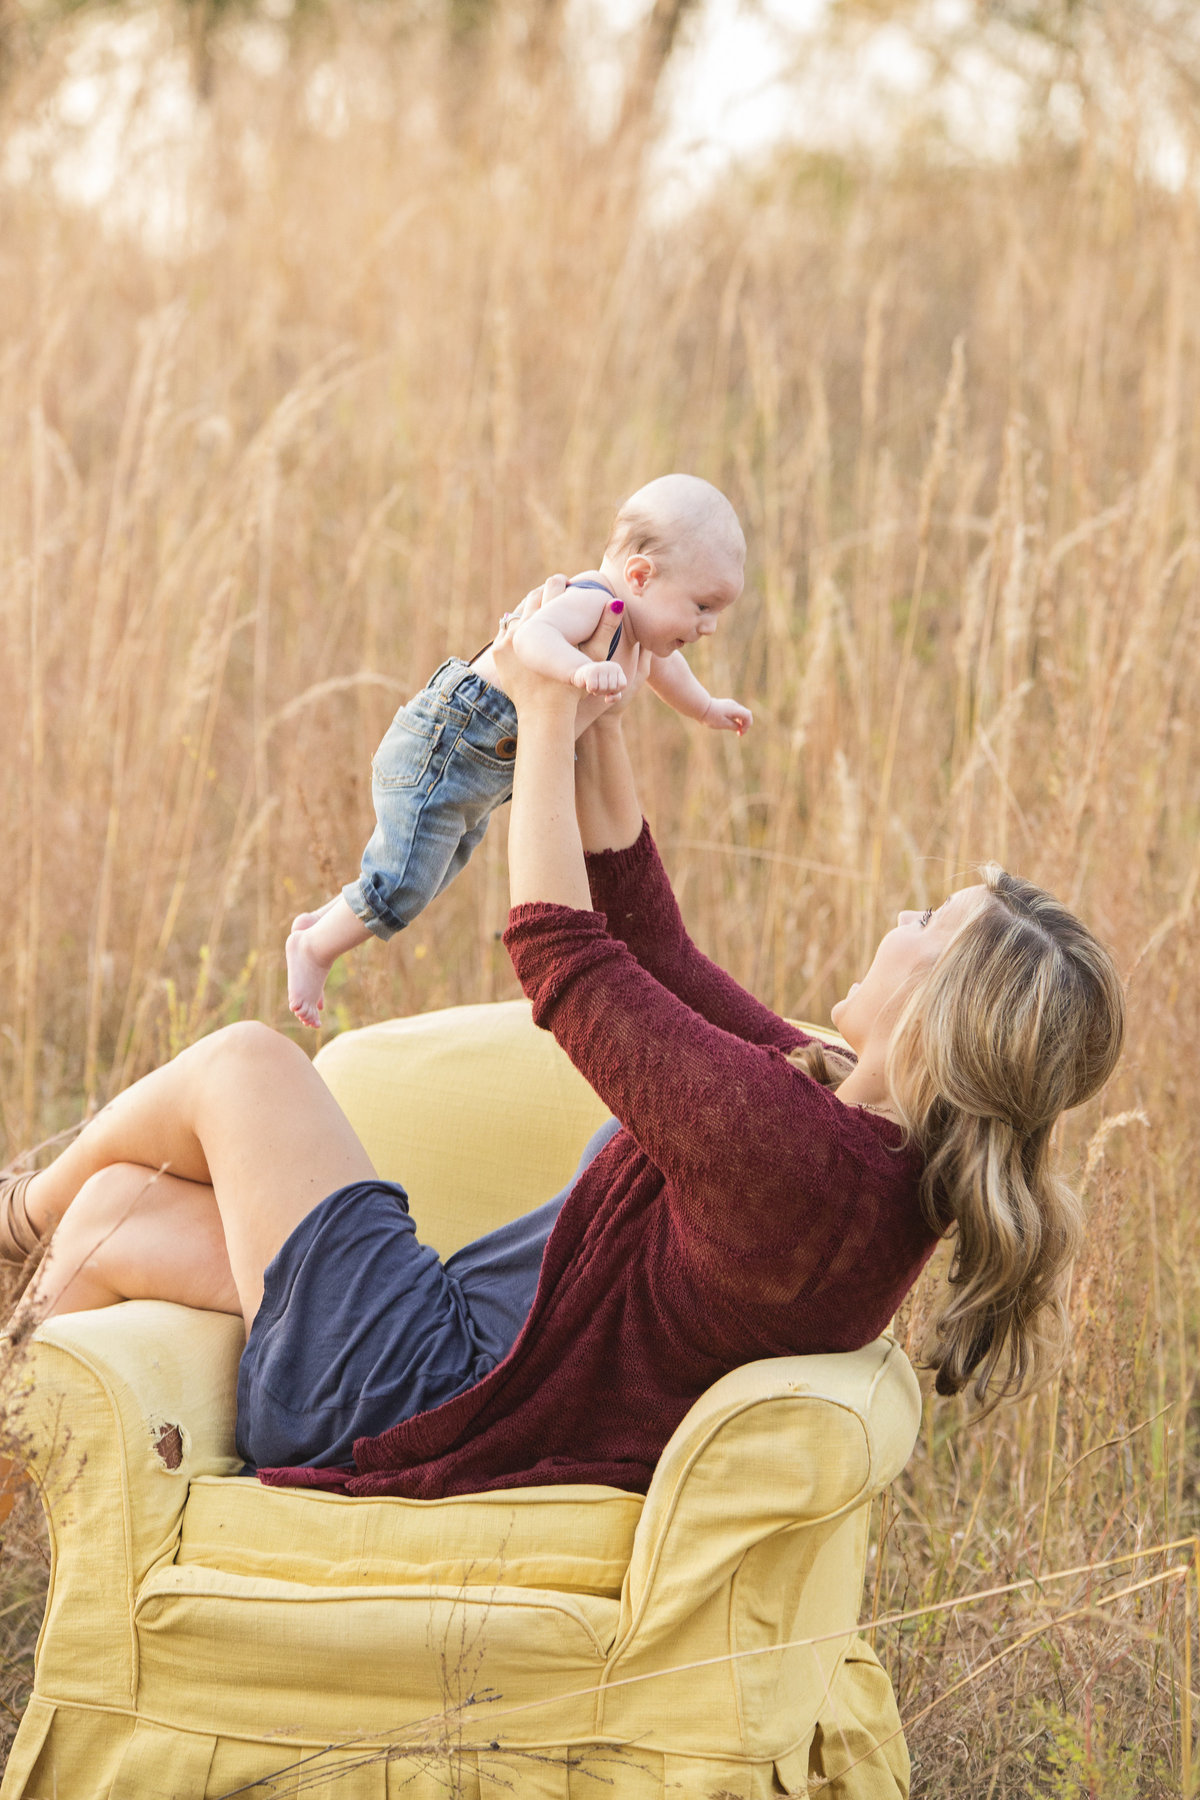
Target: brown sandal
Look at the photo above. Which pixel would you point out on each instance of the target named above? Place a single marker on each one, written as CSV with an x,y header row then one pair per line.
x,y
18,1238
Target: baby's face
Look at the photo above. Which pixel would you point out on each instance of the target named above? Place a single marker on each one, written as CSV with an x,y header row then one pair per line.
x,y
682,602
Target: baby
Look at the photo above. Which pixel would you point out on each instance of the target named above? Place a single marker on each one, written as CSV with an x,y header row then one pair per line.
x,y
673,563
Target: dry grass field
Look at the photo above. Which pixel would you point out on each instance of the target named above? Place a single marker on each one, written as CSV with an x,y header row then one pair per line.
x,y
255,489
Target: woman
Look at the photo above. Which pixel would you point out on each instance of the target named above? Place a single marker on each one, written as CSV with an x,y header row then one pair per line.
x,y
761,1197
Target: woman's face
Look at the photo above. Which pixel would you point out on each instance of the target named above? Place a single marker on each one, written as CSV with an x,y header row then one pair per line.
x,y
906,953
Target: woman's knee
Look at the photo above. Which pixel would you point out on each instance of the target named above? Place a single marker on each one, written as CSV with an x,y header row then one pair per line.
x,y
138,1233
78,1266
251,1039
251,1052
102,1204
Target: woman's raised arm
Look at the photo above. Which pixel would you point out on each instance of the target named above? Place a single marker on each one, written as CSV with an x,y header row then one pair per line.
x,y
562,807
606,802
545,854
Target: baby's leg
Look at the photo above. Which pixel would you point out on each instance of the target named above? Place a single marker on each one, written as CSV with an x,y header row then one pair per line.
x,y
312,951
435,780
398,769
302,921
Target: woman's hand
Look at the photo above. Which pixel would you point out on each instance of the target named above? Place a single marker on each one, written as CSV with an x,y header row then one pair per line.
x,y
524,686
536,598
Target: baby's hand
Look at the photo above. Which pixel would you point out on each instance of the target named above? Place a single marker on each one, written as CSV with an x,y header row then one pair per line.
x,y
728,715
603,678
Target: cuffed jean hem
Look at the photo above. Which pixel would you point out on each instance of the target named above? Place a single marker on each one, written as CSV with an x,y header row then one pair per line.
x,y
370,911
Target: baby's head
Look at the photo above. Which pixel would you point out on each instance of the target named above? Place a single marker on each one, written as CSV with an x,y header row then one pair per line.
x,y
676,557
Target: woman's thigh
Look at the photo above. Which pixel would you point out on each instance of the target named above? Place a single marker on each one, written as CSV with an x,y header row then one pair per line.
x,y
136,1234
275,1143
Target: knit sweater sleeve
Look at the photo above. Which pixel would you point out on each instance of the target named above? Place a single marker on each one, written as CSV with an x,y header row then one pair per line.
x,y
630,887
747,1144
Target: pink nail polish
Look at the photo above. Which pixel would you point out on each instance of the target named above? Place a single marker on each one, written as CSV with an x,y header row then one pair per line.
x,y
617,606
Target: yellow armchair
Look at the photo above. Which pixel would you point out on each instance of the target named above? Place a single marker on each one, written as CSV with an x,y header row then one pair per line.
x,y
205,1636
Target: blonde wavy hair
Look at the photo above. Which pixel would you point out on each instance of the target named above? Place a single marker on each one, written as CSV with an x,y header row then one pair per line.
x,y
1021,1018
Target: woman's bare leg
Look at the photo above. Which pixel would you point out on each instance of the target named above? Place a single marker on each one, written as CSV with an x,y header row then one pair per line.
x,y
135,1234
242,1112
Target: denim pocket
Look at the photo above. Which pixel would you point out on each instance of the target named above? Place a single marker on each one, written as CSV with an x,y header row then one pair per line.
x,y
403,757
493,746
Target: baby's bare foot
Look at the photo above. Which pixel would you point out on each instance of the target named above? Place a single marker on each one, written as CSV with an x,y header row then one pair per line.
x,y
306,978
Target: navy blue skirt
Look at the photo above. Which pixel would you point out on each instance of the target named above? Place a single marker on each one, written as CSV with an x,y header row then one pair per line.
x,y
361,1325
358,1329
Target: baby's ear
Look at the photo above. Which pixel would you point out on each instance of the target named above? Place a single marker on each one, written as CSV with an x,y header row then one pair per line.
x,y
637,571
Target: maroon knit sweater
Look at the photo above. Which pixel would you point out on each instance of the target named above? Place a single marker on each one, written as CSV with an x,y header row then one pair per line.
x,y
743,1212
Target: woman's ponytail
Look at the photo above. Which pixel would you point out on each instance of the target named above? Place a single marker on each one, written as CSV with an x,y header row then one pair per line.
x,y
1021,1017
1017,1229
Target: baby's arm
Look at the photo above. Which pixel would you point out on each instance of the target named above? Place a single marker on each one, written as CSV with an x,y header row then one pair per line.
x,y
674,682
549,642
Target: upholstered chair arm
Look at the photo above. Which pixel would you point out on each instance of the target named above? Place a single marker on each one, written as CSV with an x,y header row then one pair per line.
x,y
114,1412
759,1494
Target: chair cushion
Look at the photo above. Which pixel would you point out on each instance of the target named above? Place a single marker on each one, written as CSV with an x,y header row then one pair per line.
x,y
571,1539
257,1657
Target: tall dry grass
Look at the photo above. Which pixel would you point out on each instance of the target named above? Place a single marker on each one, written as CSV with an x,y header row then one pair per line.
x,y
255,489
